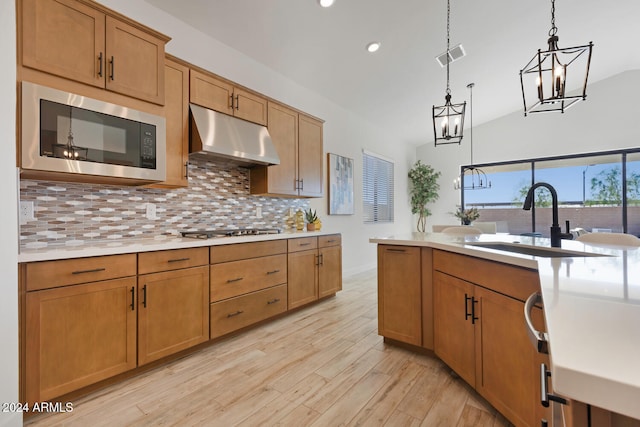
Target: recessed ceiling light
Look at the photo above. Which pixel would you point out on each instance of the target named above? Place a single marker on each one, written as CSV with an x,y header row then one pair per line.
x,y
373,46
325,3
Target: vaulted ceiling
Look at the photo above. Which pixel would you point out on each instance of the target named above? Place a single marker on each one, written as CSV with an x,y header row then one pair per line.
x,y
324,49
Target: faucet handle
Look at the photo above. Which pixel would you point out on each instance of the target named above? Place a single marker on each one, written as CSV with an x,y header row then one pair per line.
x,y
567,226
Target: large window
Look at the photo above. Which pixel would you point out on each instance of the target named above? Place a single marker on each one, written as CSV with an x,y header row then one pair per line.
x,y
377,188
590,189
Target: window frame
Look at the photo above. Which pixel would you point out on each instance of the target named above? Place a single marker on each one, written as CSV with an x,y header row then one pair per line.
x,y
374,211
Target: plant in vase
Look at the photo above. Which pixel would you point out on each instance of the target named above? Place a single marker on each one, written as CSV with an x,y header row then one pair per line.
x,y
424,189
467,215
311,218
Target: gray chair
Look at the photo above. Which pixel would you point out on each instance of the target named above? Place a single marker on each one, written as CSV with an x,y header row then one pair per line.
x,y
618,239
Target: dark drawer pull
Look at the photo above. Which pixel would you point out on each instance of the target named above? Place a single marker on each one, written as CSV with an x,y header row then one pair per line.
x,y
133,298
179,259
305,244
545,396
95,270
273,301
144,296
235,280
273,272
331,241
396,250
235,314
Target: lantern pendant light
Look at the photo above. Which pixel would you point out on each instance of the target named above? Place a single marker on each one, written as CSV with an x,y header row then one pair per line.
x,y
471,177
448,119
545,78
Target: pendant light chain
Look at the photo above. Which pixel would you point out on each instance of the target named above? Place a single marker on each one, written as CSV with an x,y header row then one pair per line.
x,y
448,55
554,30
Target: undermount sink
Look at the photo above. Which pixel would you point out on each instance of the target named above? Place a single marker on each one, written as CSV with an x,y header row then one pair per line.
x,y
533,250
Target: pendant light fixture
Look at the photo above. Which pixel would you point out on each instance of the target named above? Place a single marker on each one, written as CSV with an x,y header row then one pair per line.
x,y
544,79
471,177
448,119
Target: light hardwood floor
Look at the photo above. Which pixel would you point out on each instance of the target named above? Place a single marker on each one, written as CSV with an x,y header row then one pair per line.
x,y
323,366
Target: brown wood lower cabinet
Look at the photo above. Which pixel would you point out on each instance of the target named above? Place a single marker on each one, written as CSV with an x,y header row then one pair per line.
x,y
235,313
78,335
480,333
173,312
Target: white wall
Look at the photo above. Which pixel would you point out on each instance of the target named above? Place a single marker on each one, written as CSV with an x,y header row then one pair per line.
x,y
607,120
8,218
344,133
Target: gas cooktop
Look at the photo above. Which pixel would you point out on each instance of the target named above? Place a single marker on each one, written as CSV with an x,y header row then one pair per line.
x,y
209,234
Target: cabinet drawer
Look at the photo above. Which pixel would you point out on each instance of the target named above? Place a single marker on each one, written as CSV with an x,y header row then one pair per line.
x,y
152,262
303,244
513,281
52,274
231,279
330,240
232,314
238,251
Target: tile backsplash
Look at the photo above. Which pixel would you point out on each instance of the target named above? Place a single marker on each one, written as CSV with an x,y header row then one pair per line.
x,y
217,197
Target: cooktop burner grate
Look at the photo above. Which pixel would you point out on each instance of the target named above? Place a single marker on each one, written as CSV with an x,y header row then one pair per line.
x,y
209,234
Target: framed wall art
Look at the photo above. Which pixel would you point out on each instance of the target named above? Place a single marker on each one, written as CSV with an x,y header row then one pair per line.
x,y
340,185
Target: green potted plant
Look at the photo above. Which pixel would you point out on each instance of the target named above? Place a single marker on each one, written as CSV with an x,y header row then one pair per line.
x,y
424,189
311,218
467,215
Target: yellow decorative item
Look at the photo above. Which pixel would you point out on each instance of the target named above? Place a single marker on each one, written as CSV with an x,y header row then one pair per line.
x,y
299,220
318,224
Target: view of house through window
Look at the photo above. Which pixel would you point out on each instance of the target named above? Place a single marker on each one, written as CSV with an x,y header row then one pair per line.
x,y
377,188
590,193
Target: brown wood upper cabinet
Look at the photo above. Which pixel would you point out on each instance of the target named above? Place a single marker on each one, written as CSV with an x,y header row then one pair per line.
x,y
217,94
85,42
298,141
176,113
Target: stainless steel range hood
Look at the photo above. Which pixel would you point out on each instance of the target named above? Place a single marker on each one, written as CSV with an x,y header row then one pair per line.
x,y
220,136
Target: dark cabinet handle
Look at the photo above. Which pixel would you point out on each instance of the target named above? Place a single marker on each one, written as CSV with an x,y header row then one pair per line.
x,y
237,102
467,298
133,298
321,256
544,423
397,250
100,65
179,259
144,296
113,68
237,279
235,314
186,170
273,272
302,184
95,270
273,301
545,396
305,244
474,301
231,100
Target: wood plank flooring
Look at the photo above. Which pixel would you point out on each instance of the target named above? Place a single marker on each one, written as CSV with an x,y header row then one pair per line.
x,y
322,366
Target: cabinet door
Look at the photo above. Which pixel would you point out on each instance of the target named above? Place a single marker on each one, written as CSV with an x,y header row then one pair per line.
x,y
176,110
454,335
250,107
310,156
135,62
173,312
330,271
282,178
503,347
399,293
91,328
303,278
210,92
65,38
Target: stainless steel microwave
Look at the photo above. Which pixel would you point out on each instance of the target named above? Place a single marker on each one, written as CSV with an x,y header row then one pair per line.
x,y
69,133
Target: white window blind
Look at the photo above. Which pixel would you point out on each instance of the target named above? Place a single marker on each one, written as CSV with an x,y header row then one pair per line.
x,y
377,188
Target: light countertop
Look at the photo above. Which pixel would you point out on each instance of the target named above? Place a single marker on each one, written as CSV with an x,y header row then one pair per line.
x,y
592,313
90,249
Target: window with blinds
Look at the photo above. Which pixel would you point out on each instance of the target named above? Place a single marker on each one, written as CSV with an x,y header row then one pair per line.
x,y
377,188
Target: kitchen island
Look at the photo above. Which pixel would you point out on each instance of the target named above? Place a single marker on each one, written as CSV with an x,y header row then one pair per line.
x,y
591,310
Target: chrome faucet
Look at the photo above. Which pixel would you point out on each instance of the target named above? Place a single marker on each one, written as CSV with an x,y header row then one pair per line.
x,y
556,234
